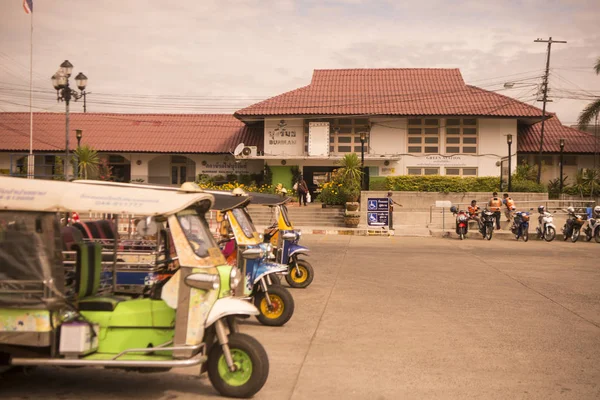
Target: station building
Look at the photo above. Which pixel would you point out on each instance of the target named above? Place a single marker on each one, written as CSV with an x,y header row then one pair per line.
x,y
413,122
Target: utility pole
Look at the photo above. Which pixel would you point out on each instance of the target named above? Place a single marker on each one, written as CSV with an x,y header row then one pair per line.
x,y
544,99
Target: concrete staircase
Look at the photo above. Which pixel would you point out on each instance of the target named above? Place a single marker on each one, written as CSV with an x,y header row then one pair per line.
x,y
312,215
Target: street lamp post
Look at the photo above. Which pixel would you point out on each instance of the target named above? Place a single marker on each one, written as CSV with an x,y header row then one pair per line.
x,y
78,135
60,81
562,148
509,142
363,138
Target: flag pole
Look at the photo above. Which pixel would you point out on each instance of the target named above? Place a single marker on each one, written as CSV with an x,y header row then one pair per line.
x,y
31,158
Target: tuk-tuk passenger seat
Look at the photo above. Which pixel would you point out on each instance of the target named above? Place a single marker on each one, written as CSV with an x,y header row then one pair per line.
x,y
88,272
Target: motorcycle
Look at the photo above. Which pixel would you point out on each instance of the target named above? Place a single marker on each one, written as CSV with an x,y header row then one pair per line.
x,y
284,239
487,224
462,222
546,229
592,229
572,227
520,226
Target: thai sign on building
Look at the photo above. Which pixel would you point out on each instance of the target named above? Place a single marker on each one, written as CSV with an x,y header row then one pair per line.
x,y
284,137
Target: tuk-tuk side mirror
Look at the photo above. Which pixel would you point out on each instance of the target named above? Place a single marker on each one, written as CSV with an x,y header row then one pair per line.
x,y
202,281
252,254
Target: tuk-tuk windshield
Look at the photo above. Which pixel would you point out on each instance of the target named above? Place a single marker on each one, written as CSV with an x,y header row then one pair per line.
x,y
245,221
196,231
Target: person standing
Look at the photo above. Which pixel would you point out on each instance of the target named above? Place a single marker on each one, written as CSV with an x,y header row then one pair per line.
x,y
510,206
302,190
495,205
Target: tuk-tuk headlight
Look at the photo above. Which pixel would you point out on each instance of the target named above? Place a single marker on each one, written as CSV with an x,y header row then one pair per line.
x,y
234,278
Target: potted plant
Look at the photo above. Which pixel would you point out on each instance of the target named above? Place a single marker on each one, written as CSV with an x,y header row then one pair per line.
x,y
351,218
350,175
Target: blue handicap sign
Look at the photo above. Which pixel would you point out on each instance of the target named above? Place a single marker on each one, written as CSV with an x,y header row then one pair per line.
x,y
372,204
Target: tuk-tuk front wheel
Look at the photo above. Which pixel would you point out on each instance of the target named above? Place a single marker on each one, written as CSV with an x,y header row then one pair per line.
x,y
300,274
251,362
281,309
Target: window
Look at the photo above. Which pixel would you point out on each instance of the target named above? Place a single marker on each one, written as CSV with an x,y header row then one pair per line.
x,y
461,171
461,136
423,136
423,171
344,135
196,231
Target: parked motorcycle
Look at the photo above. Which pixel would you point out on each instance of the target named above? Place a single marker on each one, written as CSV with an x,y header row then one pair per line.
x,y
520,226
572,227
462,222
592,229
545,229
487,224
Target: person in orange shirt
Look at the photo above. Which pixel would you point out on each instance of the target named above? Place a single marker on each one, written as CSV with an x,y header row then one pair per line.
x,y
510,206
495,205
474,213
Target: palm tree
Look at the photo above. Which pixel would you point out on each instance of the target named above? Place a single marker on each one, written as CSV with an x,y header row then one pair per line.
x,y
88,160
592,109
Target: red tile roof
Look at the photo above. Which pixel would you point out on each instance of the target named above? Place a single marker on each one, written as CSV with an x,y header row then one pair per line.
x,y
154,133
576,141
414,91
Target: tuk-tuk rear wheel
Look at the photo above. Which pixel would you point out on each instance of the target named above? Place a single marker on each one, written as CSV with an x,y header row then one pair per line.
x,y
252,365
300,277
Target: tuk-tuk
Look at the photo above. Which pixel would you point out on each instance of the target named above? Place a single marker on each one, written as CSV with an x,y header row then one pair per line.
x,y
284,238
260,284
50,317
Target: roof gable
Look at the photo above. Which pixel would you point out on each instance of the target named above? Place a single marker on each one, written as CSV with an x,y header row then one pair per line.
x,y
408,91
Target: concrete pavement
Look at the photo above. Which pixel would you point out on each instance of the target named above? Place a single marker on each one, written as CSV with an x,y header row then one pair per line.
x,y
390,317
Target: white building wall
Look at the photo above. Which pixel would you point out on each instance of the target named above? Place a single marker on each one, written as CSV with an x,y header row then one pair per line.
x,y
388,136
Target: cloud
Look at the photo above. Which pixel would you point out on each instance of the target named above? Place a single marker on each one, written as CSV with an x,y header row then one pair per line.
x,y
258,48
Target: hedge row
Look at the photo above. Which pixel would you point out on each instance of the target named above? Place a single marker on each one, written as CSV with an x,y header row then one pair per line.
x,y
448,184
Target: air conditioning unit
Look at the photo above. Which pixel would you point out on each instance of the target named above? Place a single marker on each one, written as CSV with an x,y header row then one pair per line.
x,y
250,151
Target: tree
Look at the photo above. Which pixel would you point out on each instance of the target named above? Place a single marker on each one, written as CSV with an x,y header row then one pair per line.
x,y
350,176
87,159
592,109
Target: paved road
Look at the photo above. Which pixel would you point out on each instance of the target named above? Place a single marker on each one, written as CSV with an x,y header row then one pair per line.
x,y
390,318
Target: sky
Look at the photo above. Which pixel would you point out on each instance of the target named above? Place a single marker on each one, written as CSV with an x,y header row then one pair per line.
x,y
218,56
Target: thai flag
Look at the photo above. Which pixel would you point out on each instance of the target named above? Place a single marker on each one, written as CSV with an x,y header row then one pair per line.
x,y
28,6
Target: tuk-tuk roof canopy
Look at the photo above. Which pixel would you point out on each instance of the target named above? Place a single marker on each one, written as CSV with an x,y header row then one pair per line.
x,y
265,199
93,196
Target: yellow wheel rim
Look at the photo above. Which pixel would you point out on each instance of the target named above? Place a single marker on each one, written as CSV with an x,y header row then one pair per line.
x,y
276,309
299,275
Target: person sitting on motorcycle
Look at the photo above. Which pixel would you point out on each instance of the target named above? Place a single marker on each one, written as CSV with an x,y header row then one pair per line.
x,y
494,205
541,211
474,213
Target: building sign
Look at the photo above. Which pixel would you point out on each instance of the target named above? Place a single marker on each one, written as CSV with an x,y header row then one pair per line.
x,y
438,160
223,165
387,171
281,135
378,211
284,137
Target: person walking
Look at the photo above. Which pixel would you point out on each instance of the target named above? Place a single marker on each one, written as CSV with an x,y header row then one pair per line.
x,y
302,189
495,205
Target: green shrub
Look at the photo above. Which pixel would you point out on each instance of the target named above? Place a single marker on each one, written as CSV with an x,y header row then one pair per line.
x,y
444,184
378,183
332,194
519,185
